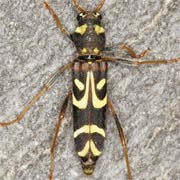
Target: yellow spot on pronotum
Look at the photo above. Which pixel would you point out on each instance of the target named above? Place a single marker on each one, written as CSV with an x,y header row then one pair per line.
x,y
100,84
96,51
79,84
85,150
83,51
89,129
99,29
94,150
81,29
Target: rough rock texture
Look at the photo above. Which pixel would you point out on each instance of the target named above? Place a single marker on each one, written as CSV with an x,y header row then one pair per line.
x,y
147,99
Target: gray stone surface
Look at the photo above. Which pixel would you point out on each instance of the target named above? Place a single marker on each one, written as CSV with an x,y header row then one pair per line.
x,y
147,99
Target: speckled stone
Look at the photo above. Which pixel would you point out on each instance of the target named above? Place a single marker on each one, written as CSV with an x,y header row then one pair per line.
x,y
146,98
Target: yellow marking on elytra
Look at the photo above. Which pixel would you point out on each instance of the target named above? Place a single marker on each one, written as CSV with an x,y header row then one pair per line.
x,y
81,29
83,51
84,129
89,129
82,103
96,129
89,62
99,29
79,84
96,51
94,150
88,170
84,150
89,146
100,84
97,103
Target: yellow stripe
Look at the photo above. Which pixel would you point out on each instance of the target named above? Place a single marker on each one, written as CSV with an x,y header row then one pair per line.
x,y
100,84
96,129
82,103
79,84
84,129
85,150
97,103
89,144
89,129
94,150
81,29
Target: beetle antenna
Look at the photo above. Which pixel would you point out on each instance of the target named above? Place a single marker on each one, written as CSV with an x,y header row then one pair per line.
x,y
78,7
99,6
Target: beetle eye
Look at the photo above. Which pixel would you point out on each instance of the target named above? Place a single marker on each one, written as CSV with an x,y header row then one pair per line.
x,y
98,15
81,15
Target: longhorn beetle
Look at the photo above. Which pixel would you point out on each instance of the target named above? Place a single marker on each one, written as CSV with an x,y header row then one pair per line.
x,y
89,95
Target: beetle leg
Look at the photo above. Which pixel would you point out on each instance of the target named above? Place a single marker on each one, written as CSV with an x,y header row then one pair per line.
x,y
137,63
132,53
44,89
52,12
53,145
122,138
159,61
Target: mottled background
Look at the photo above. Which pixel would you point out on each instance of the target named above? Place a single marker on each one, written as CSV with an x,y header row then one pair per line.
x,y
147,99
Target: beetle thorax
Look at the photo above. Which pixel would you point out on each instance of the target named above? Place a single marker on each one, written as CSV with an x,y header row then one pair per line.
x,y
89,37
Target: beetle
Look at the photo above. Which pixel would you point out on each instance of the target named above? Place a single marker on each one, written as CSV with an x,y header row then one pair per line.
x,y
89,94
